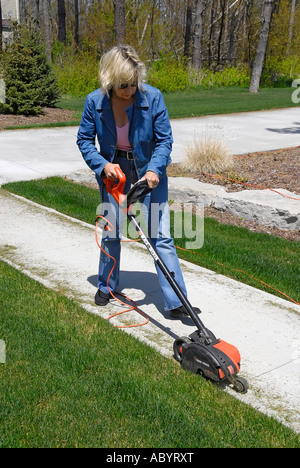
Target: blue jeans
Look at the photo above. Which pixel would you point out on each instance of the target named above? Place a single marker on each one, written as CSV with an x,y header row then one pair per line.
x,y
156,213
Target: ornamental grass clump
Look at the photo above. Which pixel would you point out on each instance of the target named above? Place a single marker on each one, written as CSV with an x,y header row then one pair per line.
x,y
207,154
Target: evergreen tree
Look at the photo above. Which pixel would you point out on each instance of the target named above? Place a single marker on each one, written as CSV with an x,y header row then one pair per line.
x,y
29,81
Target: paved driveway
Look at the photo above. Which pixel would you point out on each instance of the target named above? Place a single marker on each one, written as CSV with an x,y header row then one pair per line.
x,y
247,132
27,154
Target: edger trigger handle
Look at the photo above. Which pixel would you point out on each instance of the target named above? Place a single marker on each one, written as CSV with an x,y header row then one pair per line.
x,y
116,188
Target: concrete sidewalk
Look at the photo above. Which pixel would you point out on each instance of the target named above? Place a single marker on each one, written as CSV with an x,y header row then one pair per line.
x,y
61,253
38,153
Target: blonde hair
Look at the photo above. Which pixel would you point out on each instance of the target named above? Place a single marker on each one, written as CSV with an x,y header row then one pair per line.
x,y
119,65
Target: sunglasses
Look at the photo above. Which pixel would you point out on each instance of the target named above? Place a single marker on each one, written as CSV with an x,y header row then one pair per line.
x,y
126,85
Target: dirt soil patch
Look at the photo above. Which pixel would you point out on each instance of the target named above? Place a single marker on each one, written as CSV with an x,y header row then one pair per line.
x,y
49,115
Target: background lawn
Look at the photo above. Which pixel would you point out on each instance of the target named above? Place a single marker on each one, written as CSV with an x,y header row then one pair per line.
x,y
226,100
198,102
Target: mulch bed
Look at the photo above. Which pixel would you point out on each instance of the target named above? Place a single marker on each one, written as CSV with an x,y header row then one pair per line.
x,y
48,115
272,169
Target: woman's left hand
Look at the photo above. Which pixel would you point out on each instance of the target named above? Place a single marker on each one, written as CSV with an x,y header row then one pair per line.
x,y
152,179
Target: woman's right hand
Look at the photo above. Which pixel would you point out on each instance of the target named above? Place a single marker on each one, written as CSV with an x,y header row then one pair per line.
x,y
110,172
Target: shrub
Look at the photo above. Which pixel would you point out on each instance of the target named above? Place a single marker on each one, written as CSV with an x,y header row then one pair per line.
x,y
29,81
168,75
76,72
207,154
280,72
229,76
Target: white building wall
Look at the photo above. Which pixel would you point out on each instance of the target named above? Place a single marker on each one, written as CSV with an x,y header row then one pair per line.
x,y
10,9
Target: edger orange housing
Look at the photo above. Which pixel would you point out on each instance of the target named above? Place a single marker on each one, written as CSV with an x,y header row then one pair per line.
x,y
201,352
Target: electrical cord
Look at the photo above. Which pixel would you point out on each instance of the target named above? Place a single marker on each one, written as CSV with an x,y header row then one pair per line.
x,y
245,273
217,176
109,227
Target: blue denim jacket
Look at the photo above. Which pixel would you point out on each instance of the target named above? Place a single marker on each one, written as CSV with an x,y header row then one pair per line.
x,y
150,133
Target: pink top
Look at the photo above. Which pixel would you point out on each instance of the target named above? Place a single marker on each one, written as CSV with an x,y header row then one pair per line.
x,y
122,138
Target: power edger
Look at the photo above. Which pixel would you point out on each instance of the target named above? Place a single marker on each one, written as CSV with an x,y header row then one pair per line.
x,y
201,352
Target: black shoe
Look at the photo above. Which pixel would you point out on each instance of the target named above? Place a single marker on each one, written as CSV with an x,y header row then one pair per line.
x,y
181,312
101,298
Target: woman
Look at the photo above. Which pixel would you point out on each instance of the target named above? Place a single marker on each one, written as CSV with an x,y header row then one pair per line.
x,y
132,126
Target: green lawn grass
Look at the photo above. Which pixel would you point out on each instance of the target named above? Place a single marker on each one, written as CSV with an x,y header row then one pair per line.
x,y
197,102
200,102
270,259
73,380
60,194
226,100
72,103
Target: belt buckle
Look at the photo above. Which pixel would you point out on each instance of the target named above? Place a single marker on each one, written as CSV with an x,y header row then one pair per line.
x,y
127,155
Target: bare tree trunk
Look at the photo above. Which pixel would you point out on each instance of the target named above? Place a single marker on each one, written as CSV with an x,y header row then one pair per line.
x,y
197,46
223,12
35,12
210,35
47,26
144,29
76,32
152,29
188,28
245,43
231,38
120,23
23,10
291,25
267,12
61,11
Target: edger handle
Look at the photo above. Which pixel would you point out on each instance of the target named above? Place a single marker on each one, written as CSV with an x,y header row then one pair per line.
x,y
116,188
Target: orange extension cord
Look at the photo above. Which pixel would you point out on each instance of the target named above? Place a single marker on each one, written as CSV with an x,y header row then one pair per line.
x,y
245,273
260,187
135,307
109,227
252,185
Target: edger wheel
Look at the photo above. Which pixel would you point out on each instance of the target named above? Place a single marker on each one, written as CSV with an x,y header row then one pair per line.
x,y
177,347
241,385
